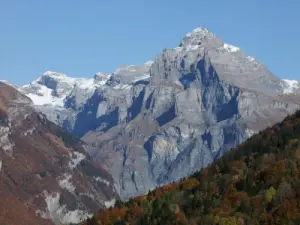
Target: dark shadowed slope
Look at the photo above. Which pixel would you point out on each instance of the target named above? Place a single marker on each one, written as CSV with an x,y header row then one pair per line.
x,y
45,175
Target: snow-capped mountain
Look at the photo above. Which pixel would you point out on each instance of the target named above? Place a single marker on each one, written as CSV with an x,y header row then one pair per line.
x,y
291,86
53,88
157,122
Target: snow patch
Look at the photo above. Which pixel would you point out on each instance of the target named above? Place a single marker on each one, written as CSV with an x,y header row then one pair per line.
x,y
42,214
251,58
76,158
230,48
198,31
144,77
65,183
41,93
289,86
177,48
55,74
91,196
5,143
43,96
188,48
29,132
101,78
99,179
250,132
87,84
132,69
59,214
110,203
192,47
185,135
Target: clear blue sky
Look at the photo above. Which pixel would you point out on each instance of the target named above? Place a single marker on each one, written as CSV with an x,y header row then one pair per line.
x,y
83,37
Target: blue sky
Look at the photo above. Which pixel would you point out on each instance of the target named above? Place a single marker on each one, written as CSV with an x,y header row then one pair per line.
x,y
83,37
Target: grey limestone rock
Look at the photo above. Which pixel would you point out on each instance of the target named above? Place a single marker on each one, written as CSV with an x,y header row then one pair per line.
x,y
152,124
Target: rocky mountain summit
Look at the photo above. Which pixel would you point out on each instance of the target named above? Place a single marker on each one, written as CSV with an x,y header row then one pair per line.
x,y
154,123
46,175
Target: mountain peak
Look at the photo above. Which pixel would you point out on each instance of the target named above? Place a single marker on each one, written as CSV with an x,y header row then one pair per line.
x,y
200,31
200,37
4,81
54,74
99,76
203,37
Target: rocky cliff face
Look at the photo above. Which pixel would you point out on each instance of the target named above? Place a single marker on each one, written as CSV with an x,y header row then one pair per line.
x,y
46,176
155,123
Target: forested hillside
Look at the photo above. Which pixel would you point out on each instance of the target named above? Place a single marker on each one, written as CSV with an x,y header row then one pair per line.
x,y
255,183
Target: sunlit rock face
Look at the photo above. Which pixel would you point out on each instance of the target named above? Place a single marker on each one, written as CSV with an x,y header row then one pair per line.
x,y
154,123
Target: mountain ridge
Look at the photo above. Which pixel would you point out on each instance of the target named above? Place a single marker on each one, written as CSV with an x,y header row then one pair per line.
x,y
46,174
153,123
190,42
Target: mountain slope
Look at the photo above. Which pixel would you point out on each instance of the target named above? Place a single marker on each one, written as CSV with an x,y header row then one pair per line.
x,y
255,183
154,123
46,176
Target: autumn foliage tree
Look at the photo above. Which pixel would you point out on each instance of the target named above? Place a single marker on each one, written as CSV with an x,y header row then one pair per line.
x,y
255,183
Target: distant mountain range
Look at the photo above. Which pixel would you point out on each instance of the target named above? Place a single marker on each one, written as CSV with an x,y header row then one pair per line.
x,y
154,123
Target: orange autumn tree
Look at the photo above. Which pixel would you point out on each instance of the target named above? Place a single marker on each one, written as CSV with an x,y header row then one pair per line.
x,y
255,183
